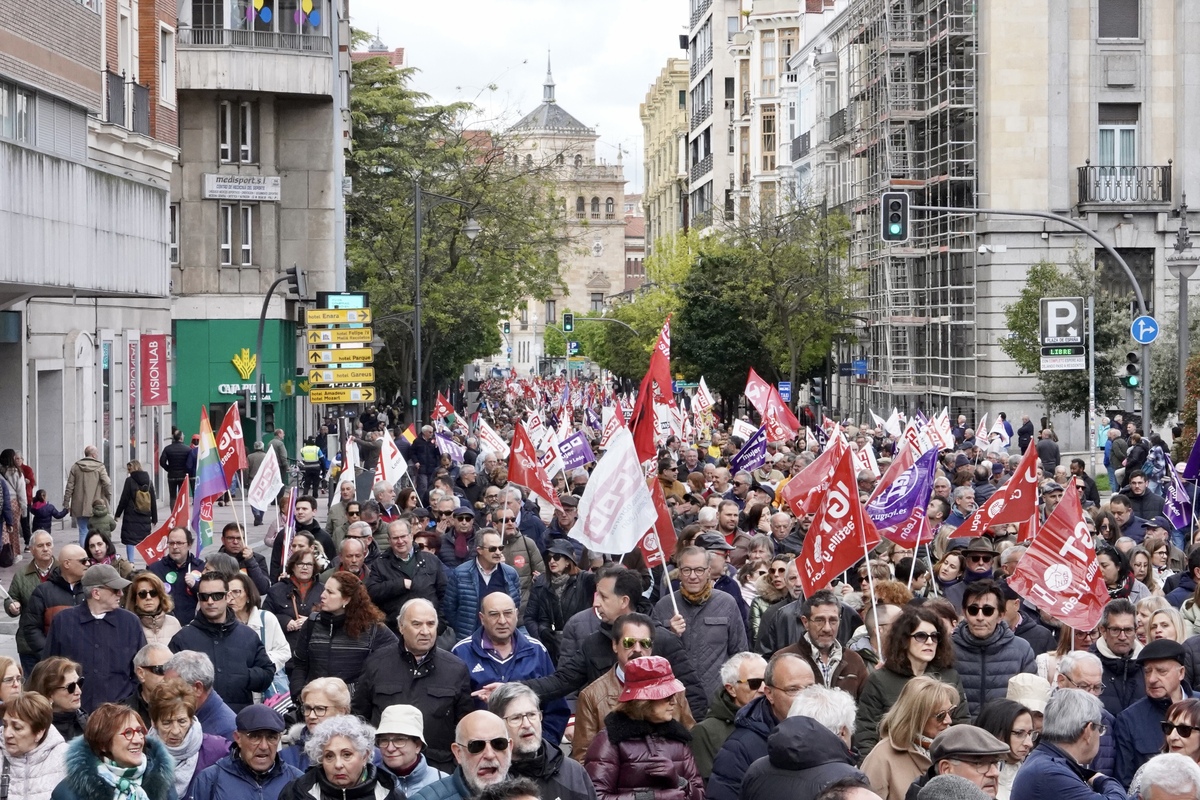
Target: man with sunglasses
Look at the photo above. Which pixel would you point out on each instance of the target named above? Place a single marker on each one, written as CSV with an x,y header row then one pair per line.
x,y
742,679
403,573
483,752
458,542
633,637
986,651
62,589
101,636
149,668
470,582
1139,732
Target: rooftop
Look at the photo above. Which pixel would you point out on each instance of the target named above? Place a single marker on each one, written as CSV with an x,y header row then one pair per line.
x,y
550,116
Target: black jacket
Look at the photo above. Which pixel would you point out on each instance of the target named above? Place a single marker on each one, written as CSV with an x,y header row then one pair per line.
x,y
555,774
385,582
174,460
50,597
1040,638
255,567
378,784
238,656
803,758
137,526
781,626
285,602
1025,436
325,650
1123,681
425,453
173,576
439,687
547,613
314,528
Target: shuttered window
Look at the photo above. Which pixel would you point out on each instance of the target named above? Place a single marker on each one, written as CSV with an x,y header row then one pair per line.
x,y
1118,19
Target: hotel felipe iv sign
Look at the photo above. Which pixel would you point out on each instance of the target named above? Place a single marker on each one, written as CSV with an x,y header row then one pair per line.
x,y
245,362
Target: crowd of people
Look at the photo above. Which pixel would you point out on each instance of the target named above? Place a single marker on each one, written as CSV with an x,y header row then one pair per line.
x,y
448,637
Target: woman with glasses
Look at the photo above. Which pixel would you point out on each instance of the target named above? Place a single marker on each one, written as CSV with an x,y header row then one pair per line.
x,y
147,597
772,590
173,713
400,739
1010,722
10,679
924,709
245,602
643,750
1139,567
917,644
407,500
1160,558
296,596
1108,530
342,750
336,641
321,699
101,550
1181,731
1114,567
557,595
114,758
59,679
34,753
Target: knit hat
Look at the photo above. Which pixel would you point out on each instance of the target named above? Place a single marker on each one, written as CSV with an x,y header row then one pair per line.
x,y
951,787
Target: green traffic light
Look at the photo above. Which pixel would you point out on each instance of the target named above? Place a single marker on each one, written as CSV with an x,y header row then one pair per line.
x,y
895,228
413,402
1133,381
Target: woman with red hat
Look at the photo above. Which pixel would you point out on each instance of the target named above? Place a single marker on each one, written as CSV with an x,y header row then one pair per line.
x,y
642,749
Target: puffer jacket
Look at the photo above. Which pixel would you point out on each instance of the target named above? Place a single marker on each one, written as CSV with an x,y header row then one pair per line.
x,y
880,693
547,613
48,598
1138,734
231,779
745,745
325,650
101,519
460,610
377,784
765,597
1050,772
803,757
522,553
422,775
1123,681
714,633
82,782
986,665
34,775
243,666
450,787
287,603
555,774
631,756
710,734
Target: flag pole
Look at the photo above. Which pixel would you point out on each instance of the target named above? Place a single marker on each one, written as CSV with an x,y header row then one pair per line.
x,y
667,577
932,575
871,584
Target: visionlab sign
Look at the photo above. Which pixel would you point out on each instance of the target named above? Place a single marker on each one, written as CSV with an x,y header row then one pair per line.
x,y
154,370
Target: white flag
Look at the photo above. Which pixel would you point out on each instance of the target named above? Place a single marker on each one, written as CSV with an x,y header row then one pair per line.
x,y
703,400
392,466
616,509
267,483
491,440
894,425
551,458
743,430
349,466
879,421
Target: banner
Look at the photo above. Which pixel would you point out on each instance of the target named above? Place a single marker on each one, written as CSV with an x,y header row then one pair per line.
x,y
231,447
289,525
490,440
894,425
267,483
448,447
1015,501
154,546
551,458
864,460
1059,573
910,490
154,370
743,430
349,467
443,410
981,432
803,492
753,453
840,532
1000,429
661,538
524,469
758,392
575,451
392,466
210,482
703,400
1191,470
614,423
1178,507
655,388
616,508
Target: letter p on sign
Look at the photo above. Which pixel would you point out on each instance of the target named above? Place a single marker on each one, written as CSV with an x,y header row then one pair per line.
x,y
1062,320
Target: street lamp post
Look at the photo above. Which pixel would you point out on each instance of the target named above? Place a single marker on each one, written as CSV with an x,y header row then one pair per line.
x,y
298,282
1182,264
470,228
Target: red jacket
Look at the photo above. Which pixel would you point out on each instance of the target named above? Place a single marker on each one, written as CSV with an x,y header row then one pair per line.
x,y
632,755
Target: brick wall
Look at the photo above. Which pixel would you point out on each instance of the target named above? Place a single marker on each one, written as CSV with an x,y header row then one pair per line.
x,y
164,119
53,45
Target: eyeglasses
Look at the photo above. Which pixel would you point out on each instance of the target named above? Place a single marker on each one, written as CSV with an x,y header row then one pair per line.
x,y
157,669
258,736
465,518
73,685
630,641
1120,633
179,723
207,596
925,637
789,692
475,746
557,556
14,680
130,733
975,610
316,711
493,549
491,497
391,742
298,565
944,716
146,594
693,570
1184,730
1032,735
979,559
981,765
753,683
1087,687
1100,729
521,719
740,483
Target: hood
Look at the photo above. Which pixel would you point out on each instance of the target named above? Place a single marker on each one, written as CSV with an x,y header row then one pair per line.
x,y
89,465
803,743
140,477
768,592
723,707
756,716
99,508
81,763
1108,657
38,755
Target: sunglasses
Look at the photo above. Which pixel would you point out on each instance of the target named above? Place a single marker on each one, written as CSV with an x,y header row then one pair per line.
x,y
1184,730
475,746
423,546
979,559
445,514
754,683
506,520
352,513
925,637
944,716
73,685
494,549
158,669
630,641
206,596
146,594
975,610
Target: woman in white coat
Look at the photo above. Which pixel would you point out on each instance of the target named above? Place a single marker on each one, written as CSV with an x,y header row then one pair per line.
x,y
246,602
34,751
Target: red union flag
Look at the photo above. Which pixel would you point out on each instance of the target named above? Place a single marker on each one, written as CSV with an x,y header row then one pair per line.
x,y
616,509
758,392
1059,573
661,538
840,533
1015,501
154,369
231,447
524,469
442,408
154,546
804,491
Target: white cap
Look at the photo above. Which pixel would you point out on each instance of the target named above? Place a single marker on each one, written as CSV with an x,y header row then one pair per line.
x,y
403,720
1031,691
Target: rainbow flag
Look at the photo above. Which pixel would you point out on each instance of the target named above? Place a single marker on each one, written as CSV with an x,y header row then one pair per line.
x,y
410,433
210,483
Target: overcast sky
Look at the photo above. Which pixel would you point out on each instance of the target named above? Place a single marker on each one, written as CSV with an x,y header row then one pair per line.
x,y
605,57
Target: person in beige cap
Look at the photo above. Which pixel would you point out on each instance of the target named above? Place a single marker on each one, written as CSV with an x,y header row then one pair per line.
x,y
969,752
1033,692
400,738
101,636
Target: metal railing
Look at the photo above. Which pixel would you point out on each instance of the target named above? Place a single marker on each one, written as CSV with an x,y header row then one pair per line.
x,y
702,167
259,40
801,145
126,103
700,114
837,126
141,108
1131,185
114,103
701,8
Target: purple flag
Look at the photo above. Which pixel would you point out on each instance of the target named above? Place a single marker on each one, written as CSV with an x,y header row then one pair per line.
x,y
448,447
753,453
819,434
1178,509
1191,470
908,492
575,451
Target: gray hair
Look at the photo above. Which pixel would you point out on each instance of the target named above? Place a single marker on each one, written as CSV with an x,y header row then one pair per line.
x,y
360,735
1077,658
1174,773
1013,553
466,469
508,692
334,688
360,524
951,787
706,514
579,472
415,601
746,476
964,491
193,667
380,486
833,708
143,656
941,479
1068,713
732,665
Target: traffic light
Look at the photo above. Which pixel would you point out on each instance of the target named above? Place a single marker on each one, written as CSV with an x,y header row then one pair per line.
x,y
507,327
413,402
894,217
568,321
818,391
1132,379
297,281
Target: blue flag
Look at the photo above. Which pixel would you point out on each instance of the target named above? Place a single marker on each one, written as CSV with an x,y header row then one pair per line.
x,y
753,454
910,491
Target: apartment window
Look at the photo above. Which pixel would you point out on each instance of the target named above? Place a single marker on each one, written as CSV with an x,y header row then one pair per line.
x,y
579,163
16,113
769,63
173,233
787,46
558,160
1118,19
595,208
551,312
237,234
597,301
166,65
524,317
211,13
768,138
732,26
683,98
238,132
730,88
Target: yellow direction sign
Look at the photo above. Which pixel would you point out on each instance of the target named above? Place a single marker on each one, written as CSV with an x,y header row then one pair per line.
x,y
365,394
362,375
318,336
350,355
336,316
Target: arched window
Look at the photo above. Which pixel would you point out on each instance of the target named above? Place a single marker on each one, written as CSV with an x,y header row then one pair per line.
x,y
529,161
516,160
578,160
609,207
579,207
558,159
596,206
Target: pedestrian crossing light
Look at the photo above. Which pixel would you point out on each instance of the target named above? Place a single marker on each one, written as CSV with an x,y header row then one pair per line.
x,y
895,217
568,321
1132,378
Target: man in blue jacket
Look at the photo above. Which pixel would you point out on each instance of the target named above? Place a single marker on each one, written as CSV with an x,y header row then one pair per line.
x,y
498,652
470,582
1139,734
101,636
179,570
1070,738
253,768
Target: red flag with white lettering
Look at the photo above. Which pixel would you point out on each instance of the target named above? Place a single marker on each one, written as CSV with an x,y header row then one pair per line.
x,y
1059,573
758,392
154,546
442,408
1015,501
803,492
840,533
231,447
524,469
661,538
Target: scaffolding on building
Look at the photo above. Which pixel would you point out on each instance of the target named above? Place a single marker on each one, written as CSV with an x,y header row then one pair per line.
x,y
910,124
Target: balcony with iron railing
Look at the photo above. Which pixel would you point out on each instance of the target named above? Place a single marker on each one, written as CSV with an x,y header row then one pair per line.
x,y
1114,187
259,40
699,62
836,126
702,167
699,12
701,114
801,145
240,59
126,103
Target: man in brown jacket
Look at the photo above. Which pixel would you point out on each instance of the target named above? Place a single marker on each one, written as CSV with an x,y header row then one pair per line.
x,y
833,665
633,637
87,482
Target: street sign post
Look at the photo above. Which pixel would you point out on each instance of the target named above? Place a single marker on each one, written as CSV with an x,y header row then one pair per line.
x,y
327,376
1144,329
348,355
363,394
1061,331
319,336
785,391
337,316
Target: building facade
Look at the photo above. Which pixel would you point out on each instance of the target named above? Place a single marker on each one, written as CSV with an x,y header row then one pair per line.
x,y
88,135
264,125
665,134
